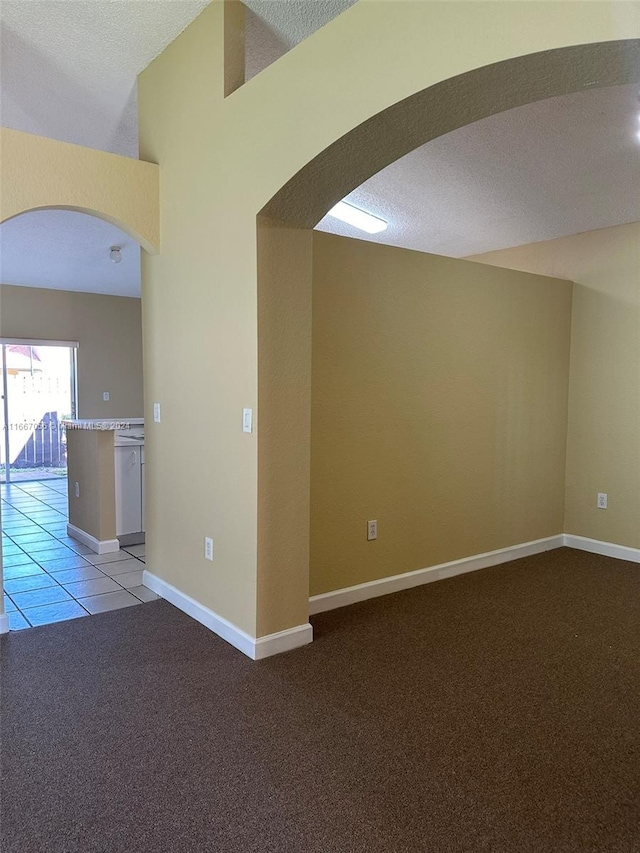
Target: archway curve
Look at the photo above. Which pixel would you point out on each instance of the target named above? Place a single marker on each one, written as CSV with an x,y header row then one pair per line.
x,y
39,173
96,214
442,108
284,244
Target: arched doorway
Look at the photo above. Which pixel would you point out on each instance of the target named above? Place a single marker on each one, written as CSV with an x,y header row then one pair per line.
x,y
307,196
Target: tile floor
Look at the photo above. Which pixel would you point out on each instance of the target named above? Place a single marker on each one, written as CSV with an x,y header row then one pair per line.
x,y
49,577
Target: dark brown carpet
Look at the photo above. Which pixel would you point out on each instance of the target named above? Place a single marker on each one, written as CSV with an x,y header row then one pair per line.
x,y
497,711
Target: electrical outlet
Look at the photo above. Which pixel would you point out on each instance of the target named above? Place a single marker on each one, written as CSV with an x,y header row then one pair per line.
x,y
372,530
603,500
156,413
106,396
208,548
77,490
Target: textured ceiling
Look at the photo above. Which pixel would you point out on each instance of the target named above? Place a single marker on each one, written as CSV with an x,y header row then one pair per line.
x,y
68,71
69,68
557,167
275,26
69,251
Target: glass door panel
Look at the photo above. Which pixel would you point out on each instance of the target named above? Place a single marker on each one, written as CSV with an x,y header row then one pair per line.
x,y
39,392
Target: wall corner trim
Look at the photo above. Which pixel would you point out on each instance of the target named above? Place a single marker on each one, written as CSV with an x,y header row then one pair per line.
x,y
606,549
100,546
408,580
4,623
252,647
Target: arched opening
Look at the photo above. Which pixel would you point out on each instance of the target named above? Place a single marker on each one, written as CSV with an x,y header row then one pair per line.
x,y
68,249
285,243
41,174
71,346
124,227
459,101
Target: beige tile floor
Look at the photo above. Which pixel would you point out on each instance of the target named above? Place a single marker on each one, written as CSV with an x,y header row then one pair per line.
x,y
49,577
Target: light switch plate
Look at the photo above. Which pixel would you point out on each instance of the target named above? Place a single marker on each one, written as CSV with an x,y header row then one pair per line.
x,y
156,413
247,420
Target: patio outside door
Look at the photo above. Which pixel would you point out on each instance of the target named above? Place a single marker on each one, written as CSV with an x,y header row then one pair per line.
x,y
38,392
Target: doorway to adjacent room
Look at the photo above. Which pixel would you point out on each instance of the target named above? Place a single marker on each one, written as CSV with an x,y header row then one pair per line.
x,y
39,390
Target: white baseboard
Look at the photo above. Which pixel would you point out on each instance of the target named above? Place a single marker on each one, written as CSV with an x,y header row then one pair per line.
x,y
408,580
100,546
606,549
252,647
4,623
283,641
301,635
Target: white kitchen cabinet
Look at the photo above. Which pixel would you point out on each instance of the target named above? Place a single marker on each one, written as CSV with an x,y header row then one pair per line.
x,y
143,528
128,483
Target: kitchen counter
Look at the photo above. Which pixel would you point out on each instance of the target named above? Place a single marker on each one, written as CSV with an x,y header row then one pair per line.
x,y
105,460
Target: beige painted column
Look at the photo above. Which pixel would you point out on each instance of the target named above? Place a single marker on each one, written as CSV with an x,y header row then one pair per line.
x,y
284,425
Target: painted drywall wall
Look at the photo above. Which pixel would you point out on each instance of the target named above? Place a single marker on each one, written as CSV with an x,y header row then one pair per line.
x,y
222,161
603,446
439,408
200,335
36,173
284,398
91,465
108,330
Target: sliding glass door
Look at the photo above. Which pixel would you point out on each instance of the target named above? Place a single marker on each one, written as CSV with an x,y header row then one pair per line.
x,y
38,392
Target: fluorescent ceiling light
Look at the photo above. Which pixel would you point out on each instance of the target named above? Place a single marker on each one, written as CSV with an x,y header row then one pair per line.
x,y
358,218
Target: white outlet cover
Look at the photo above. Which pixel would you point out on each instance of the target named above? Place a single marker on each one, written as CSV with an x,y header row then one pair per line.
x,y
106,396
208,548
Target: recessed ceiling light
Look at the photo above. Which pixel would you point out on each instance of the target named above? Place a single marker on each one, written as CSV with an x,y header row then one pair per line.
x,y
358,218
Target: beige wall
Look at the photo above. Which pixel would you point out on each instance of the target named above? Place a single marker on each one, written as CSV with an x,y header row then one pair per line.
x,y
284,400
108,330
222,160
38,173
91,465
439,408
603,447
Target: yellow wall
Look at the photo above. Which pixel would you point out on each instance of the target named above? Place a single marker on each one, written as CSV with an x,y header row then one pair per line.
x,y
108,330
222,160
603,448
36,173
439,408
